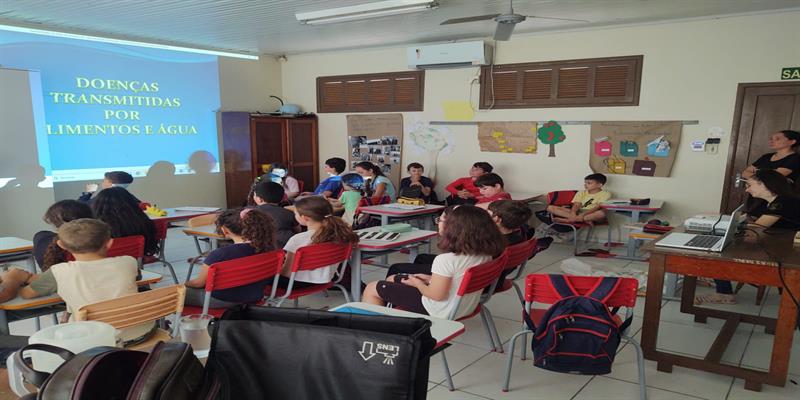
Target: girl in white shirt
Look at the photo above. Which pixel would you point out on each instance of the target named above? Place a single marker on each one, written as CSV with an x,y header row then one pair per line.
x,y
316,213
469,237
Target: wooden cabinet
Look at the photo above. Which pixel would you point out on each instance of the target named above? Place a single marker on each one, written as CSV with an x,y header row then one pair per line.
x,y
292,141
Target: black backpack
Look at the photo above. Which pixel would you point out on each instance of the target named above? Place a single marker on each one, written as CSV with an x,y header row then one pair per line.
x,y
169,371
577,334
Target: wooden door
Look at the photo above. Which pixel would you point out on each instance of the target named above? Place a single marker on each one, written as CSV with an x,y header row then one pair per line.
x,y
268,142
303,151
761,109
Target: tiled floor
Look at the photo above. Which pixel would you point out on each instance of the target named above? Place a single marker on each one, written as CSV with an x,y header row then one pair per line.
x,y
478,373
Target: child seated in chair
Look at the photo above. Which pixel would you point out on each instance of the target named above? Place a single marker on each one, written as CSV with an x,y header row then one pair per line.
x,y
267,195
469,237
252,232
315,213
92,277
491,189
352,192
463,190
585,205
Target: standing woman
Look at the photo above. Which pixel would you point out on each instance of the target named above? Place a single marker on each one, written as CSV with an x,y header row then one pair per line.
x,y
784,160
379,185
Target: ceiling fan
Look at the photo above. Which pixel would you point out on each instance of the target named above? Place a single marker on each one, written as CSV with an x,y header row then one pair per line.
x,y
505,22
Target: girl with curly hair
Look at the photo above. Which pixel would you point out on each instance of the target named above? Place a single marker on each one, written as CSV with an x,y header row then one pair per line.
x,y
252,232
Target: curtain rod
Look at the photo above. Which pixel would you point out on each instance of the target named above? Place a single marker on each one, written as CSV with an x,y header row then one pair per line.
x,y
687,122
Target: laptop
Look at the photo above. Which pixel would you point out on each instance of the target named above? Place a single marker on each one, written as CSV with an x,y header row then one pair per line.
x,y
714,243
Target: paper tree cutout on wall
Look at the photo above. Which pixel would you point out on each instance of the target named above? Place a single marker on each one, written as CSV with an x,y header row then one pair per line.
x,y
552,134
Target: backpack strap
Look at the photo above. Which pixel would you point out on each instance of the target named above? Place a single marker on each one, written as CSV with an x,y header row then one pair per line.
x,y
604,288
562,286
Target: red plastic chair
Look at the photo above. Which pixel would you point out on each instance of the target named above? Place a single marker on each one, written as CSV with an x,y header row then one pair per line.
x,y
539,289
238,272
300,186
518,256
125,246
476,279
564,198
160,257
313,257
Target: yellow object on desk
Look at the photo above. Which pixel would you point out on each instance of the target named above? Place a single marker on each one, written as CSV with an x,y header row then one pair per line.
x,y
155,211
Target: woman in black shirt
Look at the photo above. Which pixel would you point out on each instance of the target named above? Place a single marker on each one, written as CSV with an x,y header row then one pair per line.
x,y
781,210
782,205
785,160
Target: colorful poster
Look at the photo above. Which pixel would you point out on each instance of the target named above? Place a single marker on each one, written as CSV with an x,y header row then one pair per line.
x,y
643,148
507,137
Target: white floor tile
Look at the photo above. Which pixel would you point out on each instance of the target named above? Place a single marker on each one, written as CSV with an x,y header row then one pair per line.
x,y
681,380
442,392
759,351
459,356
484,378
612,389
475,334
789,392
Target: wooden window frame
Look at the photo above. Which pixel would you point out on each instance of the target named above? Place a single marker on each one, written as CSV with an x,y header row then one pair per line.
x,y
391,105
632,85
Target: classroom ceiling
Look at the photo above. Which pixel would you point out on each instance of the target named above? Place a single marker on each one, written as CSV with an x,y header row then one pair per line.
x,y
269,26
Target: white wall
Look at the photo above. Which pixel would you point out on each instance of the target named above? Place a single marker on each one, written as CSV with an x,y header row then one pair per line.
x,y
691,70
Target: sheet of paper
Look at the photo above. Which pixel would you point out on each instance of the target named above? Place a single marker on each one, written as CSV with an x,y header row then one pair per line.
x,y
457,110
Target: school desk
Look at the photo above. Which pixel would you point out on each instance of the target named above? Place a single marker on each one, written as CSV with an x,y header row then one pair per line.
x,y
748,260
18,303
634,212
443,330
525,197
406,240
386,211
15,249
177,214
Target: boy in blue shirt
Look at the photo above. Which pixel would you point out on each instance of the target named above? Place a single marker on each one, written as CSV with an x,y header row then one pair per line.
x,y
331,186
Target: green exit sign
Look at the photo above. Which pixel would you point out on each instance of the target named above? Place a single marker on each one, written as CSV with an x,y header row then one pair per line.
x,y
790,73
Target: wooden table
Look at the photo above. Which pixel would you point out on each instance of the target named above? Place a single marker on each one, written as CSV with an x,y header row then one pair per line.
x,y
407,240
744,260
14,249
443,330
386,211
18,303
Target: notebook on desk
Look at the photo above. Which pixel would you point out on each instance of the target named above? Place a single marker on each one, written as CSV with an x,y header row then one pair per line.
x,y
713,243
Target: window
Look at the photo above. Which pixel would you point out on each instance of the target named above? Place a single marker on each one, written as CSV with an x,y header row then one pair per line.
x,y
390,91
612,81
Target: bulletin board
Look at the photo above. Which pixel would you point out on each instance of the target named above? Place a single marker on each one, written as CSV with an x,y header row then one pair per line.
x,y
377,138
644,148
507,137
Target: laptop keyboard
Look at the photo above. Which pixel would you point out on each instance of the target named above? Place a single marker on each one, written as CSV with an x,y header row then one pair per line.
x,y
703,241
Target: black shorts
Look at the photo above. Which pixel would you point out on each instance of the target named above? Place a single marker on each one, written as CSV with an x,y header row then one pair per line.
x,y
407,268
401,296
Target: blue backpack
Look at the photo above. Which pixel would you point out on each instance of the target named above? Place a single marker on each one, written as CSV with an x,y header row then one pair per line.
x,y
577,334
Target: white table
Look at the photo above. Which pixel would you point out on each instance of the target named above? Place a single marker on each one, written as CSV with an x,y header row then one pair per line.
x,y
14,248
406,240
174,214
386,211
443,330
634,213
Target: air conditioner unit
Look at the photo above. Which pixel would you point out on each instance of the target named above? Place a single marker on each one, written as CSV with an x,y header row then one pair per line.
x,y
449,55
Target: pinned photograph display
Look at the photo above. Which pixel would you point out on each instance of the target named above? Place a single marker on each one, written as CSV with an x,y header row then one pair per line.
x,y
507,137
377,138
644,148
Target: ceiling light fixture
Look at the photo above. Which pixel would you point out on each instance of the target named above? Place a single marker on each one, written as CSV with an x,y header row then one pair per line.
x,y
45,32
365,11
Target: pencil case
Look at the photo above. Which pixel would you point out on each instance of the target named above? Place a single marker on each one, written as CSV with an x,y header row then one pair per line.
x,y
397,228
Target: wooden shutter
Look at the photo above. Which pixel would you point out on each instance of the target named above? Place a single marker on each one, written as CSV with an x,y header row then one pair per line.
x,y
612,81
390,91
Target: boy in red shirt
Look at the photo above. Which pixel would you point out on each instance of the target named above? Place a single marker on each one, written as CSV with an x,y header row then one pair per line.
x,y
463,190
491,189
